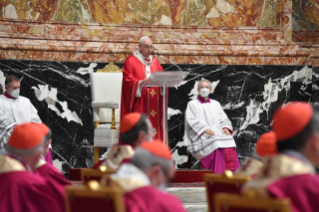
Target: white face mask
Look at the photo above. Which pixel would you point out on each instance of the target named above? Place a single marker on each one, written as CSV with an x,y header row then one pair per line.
x,y
15,93
204,92
163,185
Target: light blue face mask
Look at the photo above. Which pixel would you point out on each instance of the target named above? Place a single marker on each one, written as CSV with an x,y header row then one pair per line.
x,y
15,93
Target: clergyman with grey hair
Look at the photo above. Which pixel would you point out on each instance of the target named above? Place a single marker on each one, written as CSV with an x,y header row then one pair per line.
x,y
137,68
208,132
22,189
14,109
143,180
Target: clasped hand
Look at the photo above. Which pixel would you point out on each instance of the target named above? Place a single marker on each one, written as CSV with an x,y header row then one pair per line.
x,y
211,133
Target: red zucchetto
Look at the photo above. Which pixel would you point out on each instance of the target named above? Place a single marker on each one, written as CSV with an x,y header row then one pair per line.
x,y
129,121
158,149
290,120
26,136
266,144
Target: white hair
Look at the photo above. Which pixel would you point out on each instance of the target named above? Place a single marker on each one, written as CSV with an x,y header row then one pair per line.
x,y
203,80
143,38
145,160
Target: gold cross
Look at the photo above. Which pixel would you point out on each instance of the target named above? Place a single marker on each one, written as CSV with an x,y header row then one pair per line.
x,y
153,113
152,92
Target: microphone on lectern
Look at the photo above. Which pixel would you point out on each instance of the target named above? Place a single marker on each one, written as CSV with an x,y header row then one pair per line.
x,y
170,61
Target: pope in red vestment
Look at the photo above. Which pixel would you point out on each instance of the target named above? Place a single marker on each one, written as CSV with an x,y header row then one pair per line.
x,y
291,173
21,188
135,98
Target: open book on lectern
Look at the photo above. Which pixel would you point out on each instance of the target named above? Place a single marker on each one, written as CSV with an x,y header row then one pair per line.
x,y
165,79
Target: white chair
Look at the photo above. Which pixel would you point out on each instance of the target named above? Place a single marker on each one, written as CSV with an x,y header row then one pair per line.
x,y
106,86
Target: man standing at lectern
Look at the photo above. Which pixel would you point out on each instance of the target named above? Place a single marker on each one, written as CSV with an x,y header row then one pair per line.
x,y
136,98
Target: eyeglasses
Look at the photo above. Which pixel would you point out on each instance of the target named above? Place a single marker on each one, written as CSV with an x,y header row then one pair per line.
x,y
148,47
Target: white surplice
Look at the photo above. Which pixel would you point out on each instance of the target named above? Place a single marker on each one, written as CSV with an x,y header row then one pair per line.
x,y
200,117
15,111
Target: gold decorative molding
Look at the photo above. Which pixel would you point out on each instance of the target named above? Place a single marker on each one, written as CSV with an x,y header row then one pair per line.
x,y
110,68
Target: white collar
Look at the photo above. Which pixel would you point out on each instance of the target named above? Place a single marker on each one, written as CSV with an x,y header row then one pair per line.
x,y
256,156
299,156
128,170
141,58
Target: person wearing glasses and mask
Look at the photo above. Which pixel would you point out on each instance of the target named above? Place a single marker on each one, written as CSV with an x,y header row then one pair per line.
x,y
136,98
14,109
143,180
135,128
208,131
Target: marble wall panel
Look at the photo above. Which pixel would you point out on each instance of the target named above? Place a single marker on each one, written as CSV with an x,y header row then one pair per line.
x,y
315,87
61,93
249,95
261,13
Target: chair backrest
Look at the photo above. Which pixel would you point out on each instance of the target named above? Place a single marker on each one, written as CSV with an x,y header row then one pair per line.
x,y
95,174
106,86
238,203
94,198
226,183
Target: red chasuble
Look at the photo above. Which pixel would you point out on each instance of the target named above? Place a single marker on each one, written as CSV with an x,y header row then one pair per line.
x,y
150,101
288,175
21,190
52,174
302,190
150,199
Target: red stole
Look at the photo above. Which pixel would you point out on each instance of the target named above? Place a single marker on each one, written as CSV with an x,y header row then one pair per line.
x,y
49,172
150,101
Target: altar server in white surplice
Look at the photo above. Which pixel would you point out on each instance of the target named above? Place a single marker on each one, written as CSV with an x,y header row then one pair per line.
x,y
208,132
14,109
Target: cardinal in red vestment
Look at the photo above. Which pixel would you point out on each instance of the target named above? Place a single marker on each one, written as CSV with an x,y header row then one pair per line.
x,y
136,98
135,128
265,146
291,173
21,188
143,180
46,169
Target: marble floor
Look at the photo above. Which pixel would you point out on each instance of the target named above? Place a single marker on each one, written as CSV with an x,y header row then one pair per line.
x,y
193,198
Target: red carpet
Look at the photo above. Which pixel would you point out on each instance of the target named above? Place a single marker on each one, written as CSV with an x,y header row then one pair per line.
x,y
181,176
190,176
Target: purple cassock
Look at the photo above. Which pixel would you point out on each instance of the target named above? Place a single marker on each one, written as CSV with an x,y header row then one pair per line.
x,y
218,152
48,157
